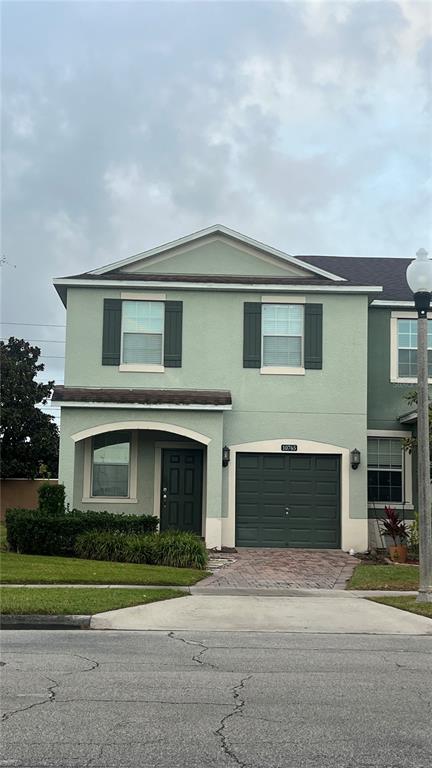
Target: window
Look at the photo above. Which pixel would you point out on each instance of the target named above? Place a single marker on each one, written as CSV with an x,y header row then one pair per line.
x,y
385,470
110,475
282,335
142,332
407,348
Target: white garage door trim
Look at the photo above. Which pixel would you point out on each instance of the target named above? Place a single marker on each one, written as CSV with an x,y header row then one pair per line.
x,y
353,531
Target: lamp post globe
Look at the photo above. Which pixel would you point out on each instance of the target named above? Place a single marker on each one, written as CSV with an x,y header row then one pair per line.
x,y
419,274
419,279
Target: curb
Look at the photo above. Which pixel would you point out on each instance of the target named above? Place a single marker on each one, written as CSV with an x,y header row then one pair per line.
x,y
44,621
182,588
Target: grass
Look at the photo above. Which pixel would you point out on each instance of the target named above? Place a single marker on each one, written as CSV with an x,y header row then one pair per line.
x,y
39,569
61,601
405,603
384,577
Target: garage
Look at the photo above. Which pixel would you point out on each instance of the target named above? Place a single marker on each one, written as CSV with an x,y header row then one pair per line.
x,y
288,500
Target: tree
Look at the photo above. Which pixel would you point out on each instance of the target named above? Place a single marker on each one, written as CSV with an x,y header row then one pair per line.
x,y
411,442
29,438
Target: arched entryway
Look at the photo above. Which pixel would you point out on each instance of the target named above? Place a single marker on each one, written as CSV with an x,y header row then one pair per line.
x,y
144,468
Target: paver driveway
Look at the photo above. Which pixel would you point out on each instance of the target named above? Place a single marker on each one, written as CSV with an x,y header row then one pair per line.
x,y
283,569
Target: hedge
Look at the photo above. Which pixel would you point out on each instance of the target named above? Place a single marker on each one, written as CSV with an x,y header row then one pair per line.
x,y
33,532
178,549
52,499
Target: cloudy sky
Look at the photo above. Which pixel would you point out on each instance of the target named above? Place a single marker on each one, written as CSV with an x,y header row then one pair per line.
x,y
306,125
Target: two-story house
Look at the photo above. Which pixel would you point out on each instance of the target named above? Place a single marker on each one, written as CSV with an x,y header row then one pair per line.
x,y
253,397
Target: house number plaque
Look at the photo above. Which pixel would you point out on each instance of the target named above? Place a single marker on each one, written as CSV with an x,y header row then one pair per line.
x,y
288,447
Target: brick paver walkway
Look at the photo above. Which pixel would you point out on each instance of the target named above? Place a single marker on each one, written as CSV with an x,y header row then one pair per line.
x,y
284,569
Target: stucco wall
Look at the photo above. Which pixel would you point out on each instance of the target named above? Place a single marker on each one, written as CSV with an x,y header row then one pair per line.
x,y
386,399
325,406
213,354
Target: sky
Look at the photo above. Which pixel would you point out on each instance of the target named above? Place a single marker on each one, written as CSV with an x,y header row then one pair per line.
x,y
306,125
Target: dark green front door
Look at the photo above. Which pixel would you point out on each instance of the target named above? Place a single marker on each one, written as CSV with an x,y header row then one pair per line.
x,y
181,490
288,500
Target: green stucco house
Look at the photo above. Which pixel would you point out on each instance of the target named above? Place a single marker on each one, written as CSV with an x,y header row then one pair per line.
x,y
253,397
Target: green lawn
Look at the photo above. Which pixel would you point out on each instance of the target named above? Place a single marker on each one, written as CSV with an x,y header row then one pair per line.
x,y
405,603
38,569
26,600
384,577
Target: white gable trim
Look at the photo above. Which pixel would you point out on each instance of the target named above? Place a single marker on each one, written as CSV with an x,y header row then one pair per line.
x,y
83,282
218,229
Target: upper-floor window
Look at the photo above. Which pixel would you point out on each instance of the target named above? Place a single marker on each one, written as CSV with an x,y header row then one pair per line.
x,y
142,332
282,335
110,465
403,347
407,347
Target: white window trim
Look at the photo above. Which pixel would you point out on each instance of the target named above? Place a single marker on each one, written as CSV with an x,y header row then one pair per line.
x,y
406,471
284,370
133,473
140,296
283,299
394,349
142,367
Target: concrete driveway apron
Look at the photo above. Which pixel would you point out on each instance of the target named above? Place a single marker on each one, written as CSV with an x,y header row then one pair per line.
x,y
278,569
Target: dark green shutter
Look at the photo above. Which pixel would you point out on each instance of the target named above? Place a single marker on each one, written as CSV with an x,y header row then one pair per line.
x,y
252,335
173,334
111,337
313,336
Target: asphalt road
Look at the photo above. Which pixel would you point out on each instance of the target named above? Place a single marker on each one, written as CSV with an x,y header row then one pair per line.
x,y
82,699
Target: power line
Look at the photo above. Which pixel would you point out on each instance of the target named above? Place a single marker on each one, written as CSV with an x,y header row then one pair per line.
x,y
36,325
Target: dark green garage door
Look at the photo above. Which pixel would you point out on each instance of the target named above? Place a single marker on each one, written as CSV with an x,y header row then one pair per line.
x,y
287,500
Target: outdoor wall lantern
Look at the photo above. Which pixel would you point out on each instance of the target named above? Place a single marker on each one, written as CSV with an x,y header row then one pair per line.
x,y
225,456
355,458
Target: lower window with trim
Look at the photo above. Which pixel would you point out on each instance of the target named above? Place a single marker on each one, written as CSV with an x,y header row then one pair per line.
x,y
111,465
385,470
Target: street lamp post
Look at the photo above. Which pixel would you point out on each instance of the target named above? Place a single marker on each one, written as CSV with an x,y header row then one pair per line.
x,y
419,278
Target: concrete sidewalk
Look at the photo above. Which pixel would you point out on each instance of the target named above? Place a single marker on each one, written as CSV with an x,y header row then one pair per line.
x,y
267,614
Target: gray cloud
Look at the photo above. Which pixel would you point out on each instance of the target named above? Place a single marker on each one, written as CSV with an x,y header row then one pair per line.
x,y
305,125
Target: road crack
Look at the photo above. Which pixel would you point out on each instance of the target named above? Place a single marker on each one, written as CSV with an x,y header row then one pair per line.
x,y
52,689
239,703
198,656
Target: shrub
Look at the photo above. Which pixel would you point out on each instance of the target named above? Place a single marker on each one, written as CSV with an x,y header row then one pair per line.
x,y
52,499
120,547
393,526
36,533
181,550
172,548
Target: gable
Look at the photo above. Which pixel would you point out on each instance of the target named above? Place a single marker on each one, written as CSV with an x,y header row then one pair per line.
x,y
216,256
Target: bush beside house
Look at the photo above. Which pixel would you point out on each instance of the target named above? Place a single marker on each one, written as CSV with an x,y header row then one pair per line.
x,y
177,549
55,530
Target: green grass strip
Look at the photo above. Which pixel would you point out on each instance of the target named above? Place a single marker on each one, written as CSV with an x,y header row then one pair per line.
x,y
63,601
384,577
39,569
405,603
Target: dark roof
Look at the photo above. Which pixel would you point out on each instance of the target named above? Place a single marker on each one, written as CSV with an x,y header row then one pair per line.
x,y
144,277
142,396
369,270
